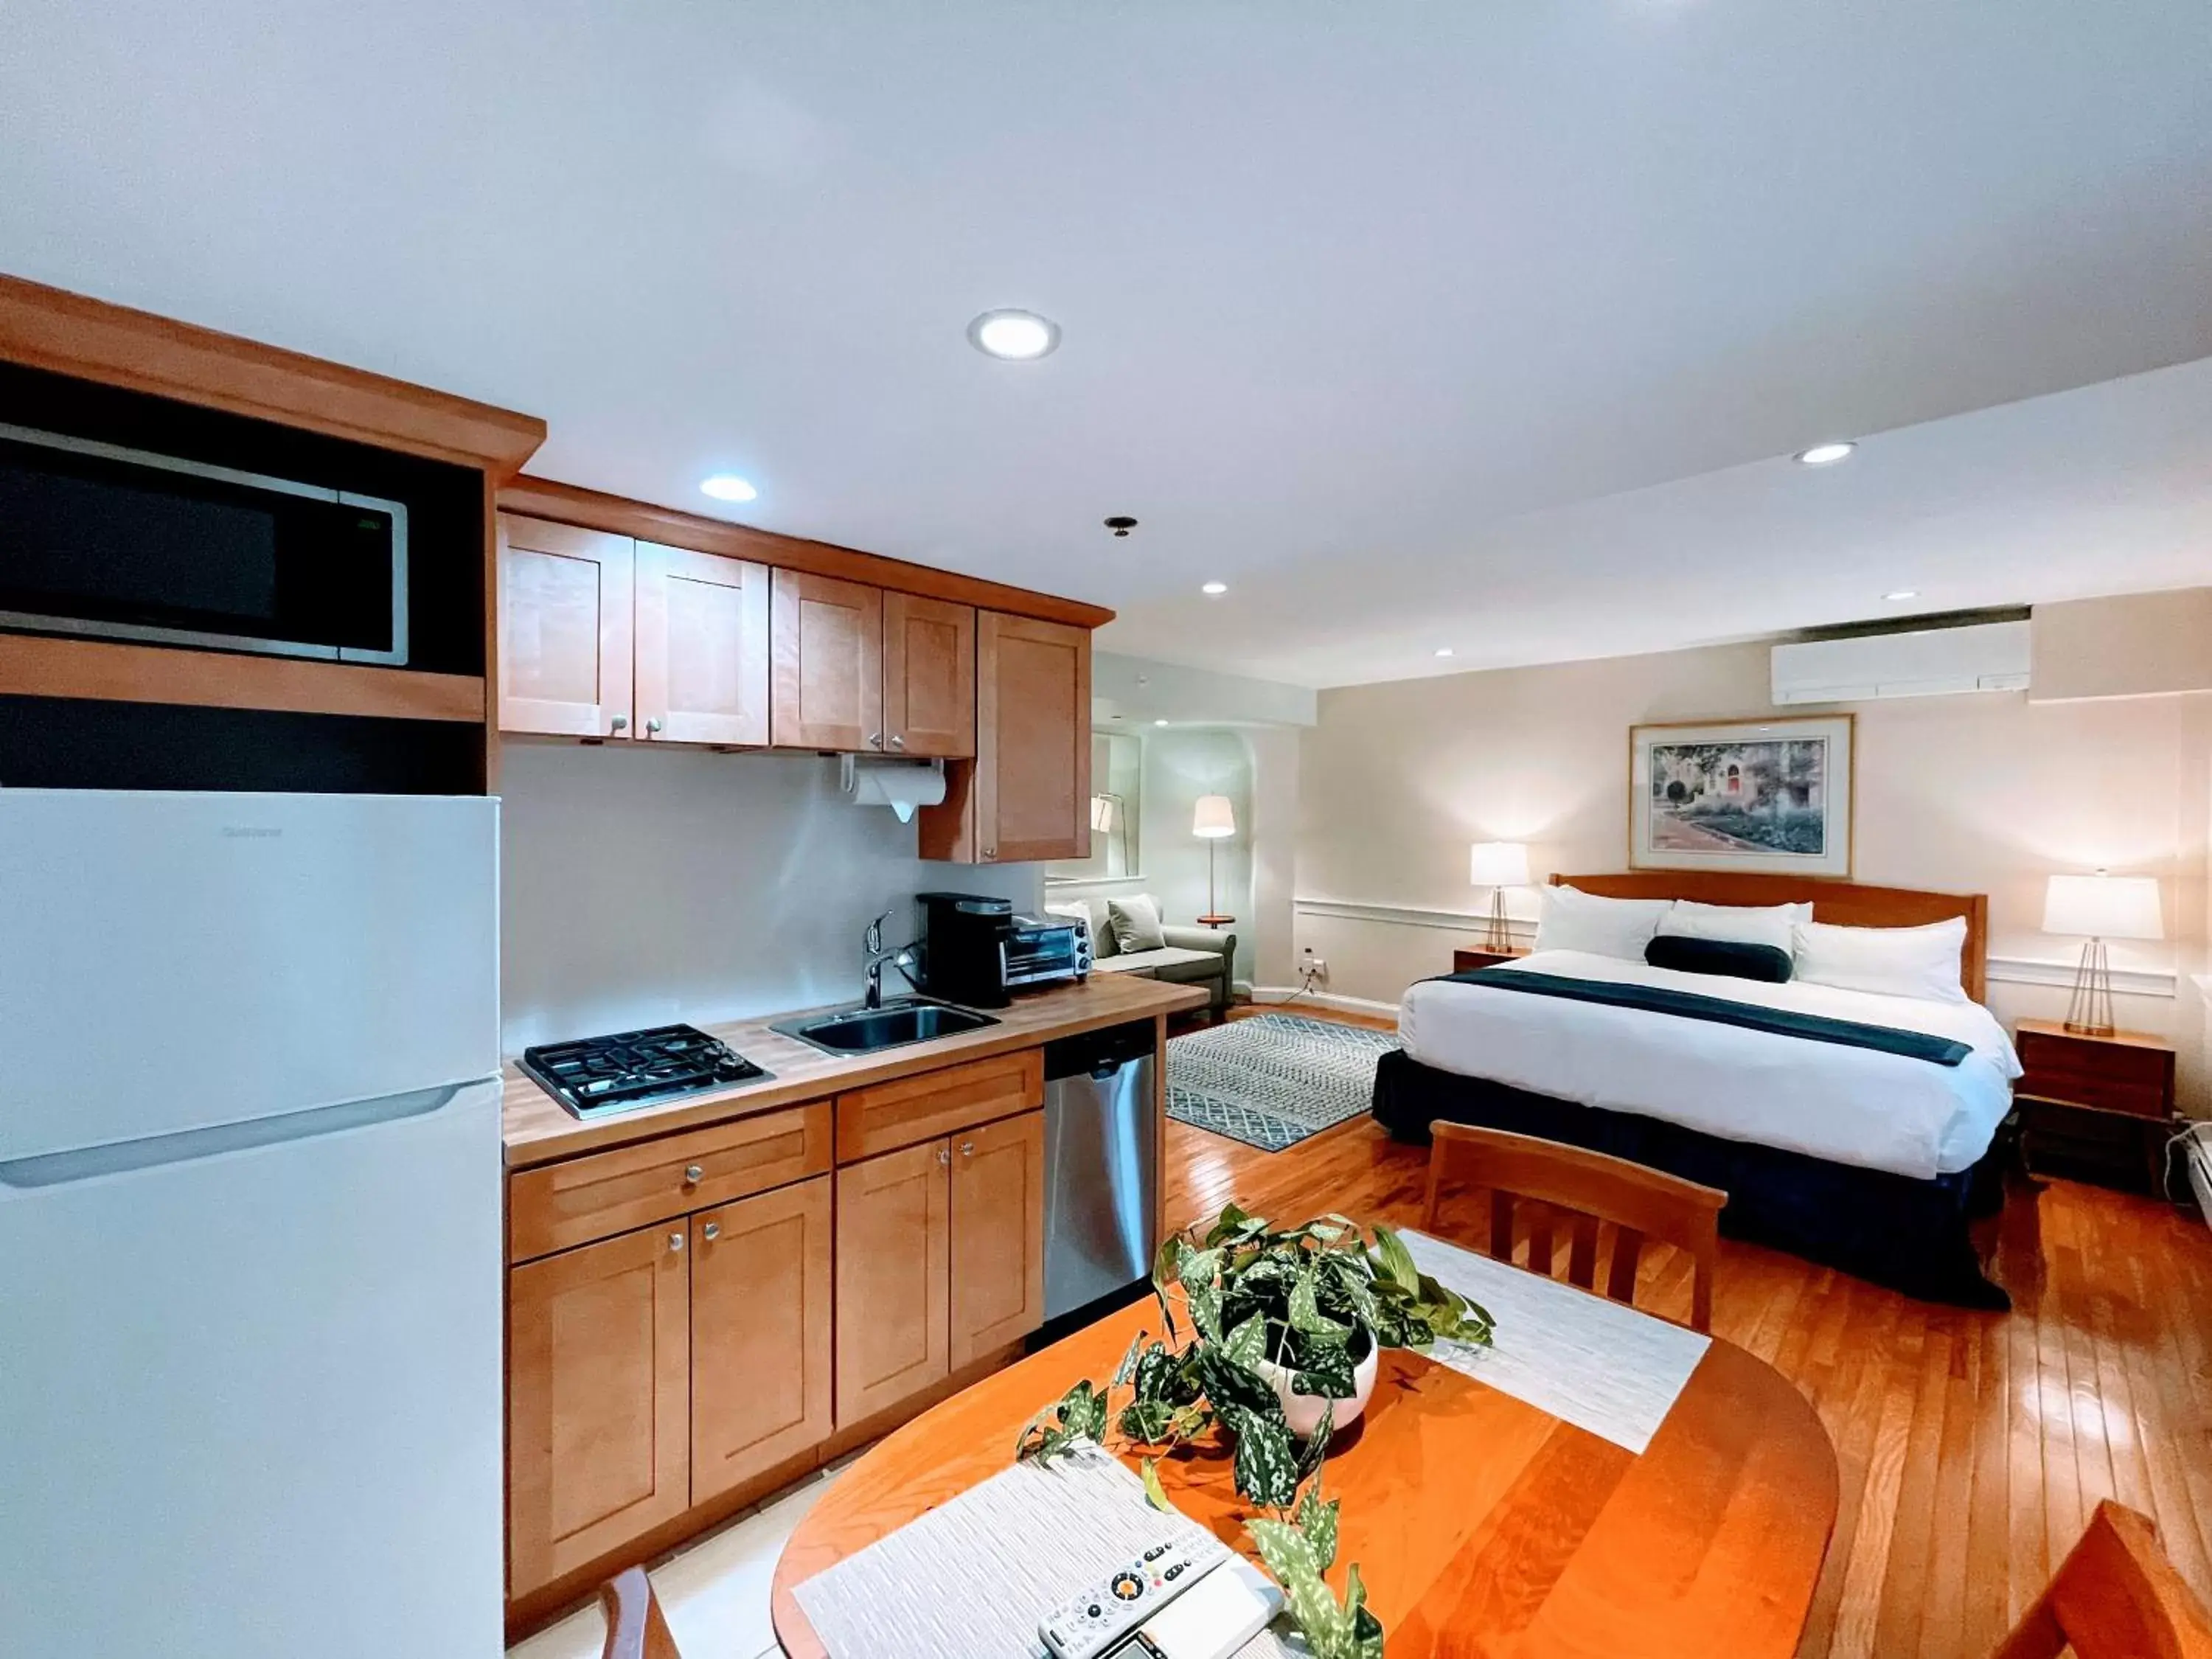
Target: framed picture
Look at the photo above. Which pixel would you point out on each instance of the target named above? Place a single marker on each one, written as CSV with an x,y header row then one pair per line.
x,y
1773,796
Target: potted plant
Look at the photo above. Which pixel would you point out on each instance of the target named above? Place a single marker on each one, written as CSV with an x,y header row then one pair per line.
x,y
1277,1348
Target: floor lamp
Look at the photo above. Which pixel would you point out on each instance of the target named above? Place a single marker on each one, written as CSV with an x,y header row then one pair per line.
x,y
1215,820
2098,908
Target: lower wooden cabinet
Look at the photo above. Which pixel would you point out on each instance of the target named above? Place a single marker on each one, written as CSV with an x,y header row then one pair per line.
x,y
894,1255
998,1234
940,1260
599,1400
760,1335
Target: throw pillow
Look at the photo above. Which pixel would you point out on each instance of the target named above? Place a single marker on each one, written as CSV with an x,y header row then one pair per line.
x,y
1729,957
1136,924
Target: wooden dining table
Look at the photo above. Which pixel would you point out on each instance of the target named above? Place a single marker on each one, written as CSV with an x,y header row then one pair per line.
x,y
1481,1523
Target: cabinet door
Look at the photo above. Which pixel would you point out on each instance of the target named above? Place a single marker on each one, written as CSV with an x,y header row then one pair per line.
x,y
828,647
998,1234
702,668
1032,782
760,1334
929,677
564,630
598,1398
893,1248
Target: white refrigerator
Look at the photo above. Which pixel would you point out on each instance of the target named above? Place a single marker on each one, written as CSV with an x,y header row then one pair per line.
x,y
250,1200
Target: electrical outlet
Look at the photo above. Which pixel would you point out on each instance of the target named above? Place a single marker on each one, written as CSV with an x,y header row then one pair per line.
x,y
1311,964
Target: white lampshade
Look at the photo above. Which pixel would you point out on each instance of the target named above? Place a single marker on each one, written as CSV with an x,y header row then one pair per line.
x,y
2103,907
1215,818
1497,864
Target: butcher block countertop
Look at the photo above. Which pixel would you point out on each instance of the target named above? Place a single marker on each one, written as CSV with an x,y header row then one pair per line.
x,y
537,1129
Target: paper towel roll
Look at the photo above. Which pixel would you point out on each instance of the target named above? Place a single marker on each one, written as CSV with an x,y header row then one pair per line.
x,y
903,785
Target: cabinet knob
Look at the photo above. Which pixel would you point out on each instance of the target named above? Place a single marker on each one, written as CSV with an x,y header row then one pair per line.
x,y
943,1156
692,1173
652,728
618,723
875,739
967,1149
713,1230
897,742
675,1243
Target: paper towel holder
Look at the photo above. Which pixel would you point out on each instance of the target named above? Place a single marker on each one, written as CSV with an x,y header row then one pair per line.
x,y
901,785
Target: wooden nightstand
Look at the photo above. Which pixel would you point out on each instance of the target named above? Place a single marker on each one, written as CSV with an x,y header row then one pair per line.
x,y
2104,1103
1465,962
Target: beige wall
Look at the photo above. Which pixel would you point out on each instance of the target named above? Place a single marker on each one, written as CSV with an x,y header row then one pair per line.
x,y
1987,792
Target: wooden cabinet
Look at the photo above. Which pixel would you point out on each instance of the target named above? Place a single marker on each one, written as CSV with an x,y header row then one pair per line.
x,y
760,1334
598,1398
894,1255
1027,795
601,636
829,648
564,630
929,677
703,648
998,1234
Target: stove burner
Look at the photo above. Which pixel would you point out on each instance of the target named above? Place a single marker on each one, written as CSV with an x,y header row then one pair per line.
x,y
597,1077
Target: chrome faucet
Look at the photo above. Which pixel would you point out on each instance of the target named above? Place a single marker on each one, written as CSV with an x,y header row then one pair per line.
x,y
902,958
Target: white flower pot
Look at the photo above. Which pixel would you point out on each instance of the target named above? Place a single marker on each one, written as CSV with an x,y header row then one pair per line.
x,y
1304,1410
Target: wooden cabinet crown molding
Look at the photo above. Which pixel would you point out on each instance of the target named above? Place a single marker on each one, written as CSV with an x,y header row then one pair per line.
x,y
590,509
67,333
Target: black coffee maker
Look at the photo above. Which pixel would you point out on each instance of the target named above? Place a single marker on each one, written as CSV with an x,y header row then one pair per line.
x,y
963,957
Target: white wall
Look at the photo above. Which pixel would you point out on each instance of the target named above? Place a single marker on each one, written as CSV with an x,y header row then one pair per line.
x,y
643,886
1987,793
1180,764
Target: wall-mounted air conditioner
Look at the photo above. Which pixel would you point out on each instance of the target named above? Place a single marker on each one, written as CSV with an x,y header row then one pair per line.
x,y
1927,662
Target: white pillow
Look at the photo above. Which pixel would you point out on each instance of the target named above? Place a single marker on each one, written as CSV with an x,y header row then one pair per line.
x,y
1737,924
1575,921
1896,962
1136,924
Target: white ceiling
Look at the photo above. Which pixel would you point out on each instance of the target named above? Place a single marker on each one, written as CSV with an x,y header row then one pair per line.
x,y
1372,308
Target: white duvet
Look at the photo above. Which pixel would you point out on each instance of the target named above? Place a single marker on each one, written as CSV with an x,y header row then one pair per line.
x,y
1849,1105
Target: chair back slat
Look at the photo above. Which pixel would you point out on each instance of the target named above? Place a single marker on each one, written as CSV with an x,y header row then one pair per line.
x,y
2115,1596
1641,1203
1582,1255
635,1629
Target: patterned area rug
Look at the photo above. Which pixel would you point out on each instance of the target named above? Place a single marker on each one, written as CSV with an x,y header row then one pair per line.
x,y
1271,1080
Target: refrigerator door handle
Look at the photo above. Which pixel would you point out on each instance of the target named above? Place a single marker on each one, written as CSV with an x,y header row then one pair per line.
x,y
88,1162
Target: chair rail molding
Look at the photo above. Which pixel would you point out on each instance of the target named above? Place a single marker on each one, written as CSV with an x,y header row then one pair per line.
x,y
2012,970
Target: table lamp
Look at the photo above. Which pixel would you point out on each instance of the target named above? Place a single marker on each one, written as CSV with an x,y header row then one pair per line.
x,y
1498,864
2098,908
1213,820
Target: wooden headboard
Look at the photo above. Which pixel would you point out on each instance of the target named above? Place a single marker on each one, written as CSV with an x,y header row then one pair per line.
x,y
1844,903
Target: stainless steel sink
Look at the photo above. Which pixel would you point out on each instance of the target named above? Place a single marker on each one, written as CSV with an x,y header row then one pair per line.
x,y
901,1020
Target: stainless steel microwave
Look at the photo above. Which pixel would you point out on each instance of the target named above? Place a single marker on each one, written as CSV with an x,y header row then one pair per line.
x,y
95,538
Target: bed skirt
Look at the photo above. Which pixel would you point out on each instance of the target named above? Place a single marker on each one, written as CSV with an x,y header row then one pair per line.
x,y
1912,1236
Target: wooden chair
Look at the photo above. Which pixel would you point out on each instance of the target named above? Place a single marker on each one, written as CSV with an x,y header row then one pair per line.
x,y
2115,1596
1590,1188
635,1629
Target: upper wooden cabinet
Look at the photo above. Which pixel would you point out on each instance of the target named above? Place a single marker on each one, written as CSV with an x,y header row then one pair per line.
x,y
702,633
601,636
564,630
1028,795
829,643
929,677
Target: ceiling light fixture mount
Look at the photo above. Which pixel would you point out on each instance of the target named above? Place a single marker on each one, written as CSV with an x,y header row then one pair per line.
x,y
1444,650
1213,590
1826,454
1121,524
1899,595
728,487
1014,337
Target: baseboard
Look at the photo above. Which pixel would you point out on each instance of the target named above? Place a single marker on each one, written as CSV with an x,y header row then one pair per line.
x,y
1276,993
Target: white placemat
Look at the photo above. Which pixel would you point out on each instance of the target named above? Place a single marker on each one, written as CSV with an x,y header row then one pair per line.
x,y
971,1579
1598,1364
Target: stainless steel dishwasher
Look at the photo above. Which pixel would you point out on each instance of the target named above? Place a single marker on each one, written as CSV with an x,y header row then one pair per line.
x,y
1101,1153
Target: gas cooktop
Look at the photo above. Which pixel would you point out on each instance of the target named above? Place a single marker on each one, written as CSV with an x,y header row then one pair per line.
x,y
596,1077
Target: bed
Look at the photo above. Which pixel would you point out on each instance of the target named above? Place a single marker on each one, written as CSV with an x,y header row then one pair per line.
x,y
1874,1160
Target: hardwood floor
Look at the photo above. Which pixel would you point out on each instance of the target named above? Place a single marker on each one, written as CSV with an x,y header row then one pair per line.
x,y
1973,1446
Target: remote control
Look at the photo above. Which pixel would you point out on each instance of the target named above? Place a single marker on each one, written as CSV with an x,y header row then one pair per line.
x,y
1090,1624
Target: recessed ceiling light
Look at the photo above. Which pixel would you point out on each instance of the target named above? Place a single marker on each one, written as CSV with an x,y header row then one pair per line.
x,y
1016,336
1444,650
728,487
1159,722
1902,594
1824,455
1214,590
